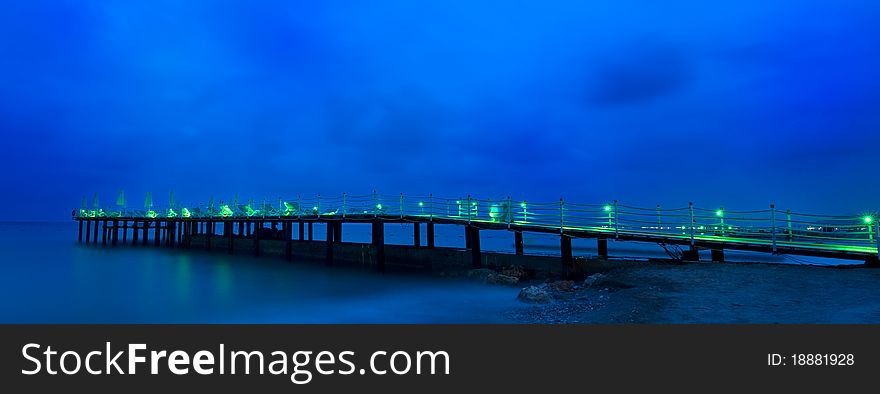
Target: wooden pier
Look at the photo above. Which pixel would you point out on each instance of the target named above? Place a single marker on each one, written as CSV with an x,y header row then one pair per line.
x,y
687,230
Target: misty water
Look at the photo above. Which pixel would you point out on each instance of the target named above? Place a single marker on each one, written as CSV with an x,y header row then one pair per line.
x,y
49,278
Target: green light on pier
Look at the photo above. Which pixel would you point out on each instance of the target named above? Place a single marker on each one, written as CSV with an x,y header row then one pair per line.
x,y
421,204
186,213
868,219
607,208
378,206
719,213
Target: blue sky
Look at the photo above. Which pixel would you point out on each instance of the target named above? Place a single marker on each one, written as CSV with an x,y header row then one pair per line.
x,y
739,104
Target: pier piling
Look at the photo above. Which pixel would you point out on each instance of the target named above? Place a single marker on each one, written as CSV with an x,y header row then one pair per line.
x,y
518,242
602,247
718,255
429,234
379,244
565,248
417,234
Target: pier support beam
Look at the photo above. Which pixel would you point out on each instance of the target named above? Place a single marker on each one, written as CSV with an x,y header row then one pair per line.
x,y
209,233
115,235
311,230
230,248
417,234
104,232
718,255
88,230
157,236
331,232
565,249
288,241
474,237
257,227
337,232
134,232
429,234
302,231
691,254
124,232
95,233
146,234
602,247
79,234
518,242
379,244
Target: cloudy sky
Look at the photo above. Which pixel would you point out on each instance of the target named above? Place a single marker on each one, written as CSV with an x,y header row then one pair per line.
x,y
738,104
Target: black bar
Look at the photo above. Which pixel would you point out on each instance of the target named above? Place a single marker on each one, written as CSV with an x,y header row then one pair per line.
x,y
602,247
476,258
430,234
518,242
565,247
330,233
88,229
379,244
417,234
79,233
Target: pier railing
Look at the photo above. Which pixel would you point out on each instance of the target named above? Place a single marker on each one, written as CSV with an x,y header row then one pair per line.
x,y
771,227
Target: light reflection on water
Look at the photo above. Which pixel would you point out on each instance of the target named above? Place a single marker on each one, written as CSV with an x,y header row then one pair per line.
x,y
49,278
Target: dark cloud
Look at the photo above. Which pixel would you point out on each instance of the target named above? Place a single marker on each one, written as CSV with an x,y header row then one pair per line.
x,y
640,73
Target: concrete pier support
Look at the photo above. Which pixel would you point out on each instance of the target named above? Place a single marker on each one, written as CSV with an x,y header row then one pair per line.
x,y
518,242
288,241
79,233
115,236
692,254
157,236
146,234
209,234
302,231
565,249
230,247
88,230
476,255
429,234
311,230
104,232
124,232
134,232
337,232
417,234
602,247
331,232
379,244
258,225
95,233
718,255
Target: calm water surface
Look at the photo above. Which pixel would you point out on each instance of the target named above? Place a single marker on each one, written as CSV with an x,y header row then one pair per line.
x,y
49,278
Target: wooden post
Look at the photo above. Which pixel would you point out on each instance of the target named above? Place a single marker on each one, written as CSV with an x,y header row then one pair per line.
x,y
467,237
115,236
88,229
302,231
337,232
209,232
379,244
310,230
476,258
602,246
134,232
157,235
258,225
718,255
104,232
429,227
146,234
518,242
79,233
565,247
230,247
417,234
330,233
288,241
124,232
95,232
